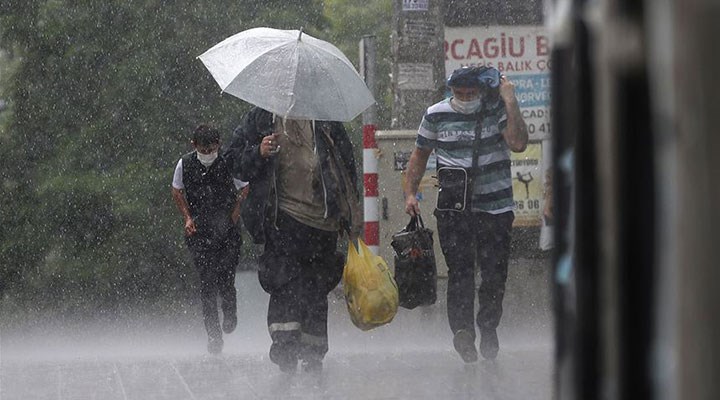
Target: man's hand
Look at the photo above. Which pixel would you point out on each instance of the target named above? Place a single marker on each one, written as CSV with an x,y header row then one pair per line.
x,y
182,205
354,236
413,175
190,228
507,89
235,215
269,145
515,133
412,206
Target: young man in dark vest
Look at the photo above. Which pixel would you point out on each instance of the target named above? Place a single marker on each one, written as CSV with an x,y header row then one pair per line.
x,y
209,200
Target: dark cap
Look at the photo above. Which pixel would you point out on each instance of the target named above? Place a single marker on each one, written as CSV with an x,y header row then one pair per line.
x,y
475,77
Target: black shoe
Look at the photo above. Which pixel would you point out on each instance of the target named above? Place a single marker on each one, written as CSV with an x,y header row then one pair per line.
x,y
215,346
229,322
464,343
312,366
489,344
285,359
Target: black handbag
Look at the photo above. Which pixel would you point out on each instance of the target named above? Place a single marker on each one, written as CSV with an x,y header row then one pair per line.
x,y
415,268
456,186
453,190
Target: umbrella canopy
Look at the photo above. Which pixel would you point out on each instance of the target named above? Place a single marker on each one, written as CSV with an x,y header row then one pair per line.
x,y
289,73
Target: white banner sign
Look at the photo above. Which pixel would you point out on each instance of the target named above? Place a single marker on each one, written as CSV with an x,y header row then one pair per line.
x,y
415,77
415,5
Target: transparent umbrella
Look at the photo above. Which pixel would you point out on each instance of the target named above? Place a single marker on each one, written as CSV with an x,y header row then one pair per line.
x,y
289,73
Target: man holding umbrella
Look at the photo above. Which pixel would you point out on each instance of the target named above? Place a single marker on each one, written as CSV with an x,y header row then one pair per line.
x,y
297,157
303,193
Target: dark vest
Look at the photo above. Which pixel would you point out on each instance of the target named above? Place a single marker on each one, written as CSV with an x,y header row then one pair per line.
x,y
210,194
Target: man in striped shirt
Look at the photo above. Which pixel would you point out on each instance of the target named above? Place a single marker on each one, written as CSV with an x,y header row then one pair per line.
x,y
472,133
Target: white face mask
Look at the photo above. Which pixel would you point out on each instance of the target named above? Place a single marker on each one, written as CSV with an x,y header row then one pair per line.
x,y
466,107
207,159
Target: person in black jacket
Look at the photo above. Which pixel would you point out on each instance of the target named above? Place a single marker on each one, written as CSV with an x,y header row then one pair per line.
x,y
304,192
209,200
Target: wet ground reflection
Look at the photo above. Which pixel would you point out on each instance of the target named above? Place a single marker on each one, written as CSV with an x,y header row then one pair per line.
x,y
412,358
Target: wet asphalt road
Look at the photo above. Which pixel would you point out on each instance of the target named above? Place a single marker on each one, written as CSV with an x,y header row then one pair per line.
x,y
411,358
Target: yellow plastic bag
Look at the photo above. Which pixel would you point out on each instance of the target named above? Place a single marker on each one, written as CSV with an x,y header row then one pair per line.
x,y
371,293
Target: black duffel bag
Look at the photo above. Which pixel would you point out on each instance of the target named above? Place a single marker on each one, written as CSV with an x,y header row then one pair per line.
x,y
415,269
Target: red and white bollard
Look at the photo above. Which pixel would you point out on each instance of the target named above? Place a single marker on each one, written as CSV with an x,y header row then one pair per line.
x,y
370,180
370,164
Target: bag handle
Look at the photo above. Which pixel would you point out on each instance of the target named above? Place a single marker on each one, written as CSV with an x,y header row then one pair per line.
x,y
416,222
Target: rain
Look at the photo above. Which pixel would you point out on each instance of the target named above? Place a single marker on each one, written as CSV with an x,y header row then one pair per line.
x,y
163,357
99,292
132,132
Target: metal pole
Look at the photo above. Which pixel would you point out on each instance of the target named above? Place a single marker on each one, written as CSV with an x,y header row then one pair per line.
x,y
370,164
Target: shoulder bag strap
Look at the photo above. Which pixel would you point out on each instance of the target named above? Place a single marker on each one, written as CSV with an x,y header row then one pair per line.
x,y
476,142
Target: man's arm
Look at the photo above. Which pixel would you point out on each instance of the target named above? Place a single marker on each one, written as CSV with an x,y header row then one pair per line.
x,y
182,205
413,175
241,196
515,133
252,161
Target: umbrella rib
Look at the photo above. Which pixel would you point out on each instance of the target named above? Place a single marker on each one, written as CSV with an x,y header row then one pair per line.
x,y
273,48
240,76
337,86
348,64
296,60
341,56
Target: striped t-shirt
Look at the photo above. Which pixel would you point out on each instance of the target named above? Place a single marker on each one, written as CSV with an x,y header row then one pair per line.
x,y
451,135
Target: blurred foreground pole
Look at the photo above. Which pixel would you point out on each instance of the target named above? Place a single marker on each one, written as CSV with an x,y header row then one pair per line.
x,y
418,71
370,165
695,67
646,193
575,291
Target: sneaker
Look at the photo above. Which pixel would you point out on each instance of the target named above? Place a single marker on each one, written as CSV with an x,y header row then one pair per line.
x,y
286,360
312,366
229,322
464,343
215,346
489,344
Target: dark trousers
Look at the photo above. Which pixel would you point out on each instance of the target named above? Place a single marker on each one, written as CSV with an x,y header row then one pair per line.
x,y
467,238
298,268
217,278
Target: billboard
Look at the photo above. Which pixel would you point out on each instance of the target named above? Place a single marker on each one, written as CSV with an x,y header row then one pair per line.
x,y
528,187
520,52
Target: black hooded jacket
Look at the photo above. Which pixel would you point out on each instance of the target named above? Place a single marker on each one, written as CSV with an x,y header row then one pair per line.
x,y
260,207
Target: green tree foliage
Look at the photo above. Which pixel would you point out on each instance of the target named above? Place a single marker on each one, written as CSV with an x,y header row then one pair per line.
x,y
102,100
